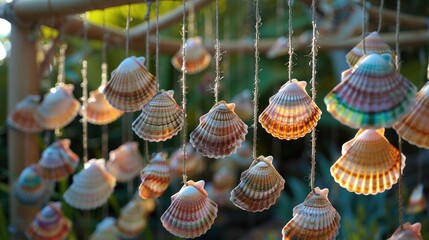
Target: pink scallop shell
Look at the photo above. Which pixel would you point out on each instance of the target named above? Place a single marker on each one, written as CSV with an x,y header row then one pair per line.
x,y
22,117
125,162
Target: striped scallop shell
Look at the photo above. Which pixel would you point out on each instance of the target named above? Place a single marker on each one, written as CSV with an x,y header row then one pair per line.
x,y
279,48
373,44
155,177
132,220
160,119
91,187
49,224
30,188
243,105
372,94
291,113
315,218
105,230
22,118
417,201
99,111
413,127
408,232
131,85
260,186
220,131
369,166
191,213
58,108
58,161
197,57
195,163
125,162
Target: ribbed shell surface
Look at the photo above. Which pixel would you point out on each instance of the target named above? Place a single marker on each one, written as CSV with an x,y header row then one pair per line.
x,y
197,57
291,113
160,119
155,178
99,111
131,85
125,162
30,188
407,232
22,118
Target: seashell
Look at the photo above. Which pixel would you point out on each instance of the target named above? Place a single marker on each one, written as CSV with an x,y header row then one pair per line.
x,y
195,163
279,48
191,212
155,177
160,119
315,218
219,196
49,224
99,111
197,57
224,178
22,118
413,127
243,105
131,85
259,186
58,108
125,162
91,187
58,161
243,156
369,166
105,230
132,220
220,131
372,94
417,201
407,232
346,146
291,113
373,44
30,188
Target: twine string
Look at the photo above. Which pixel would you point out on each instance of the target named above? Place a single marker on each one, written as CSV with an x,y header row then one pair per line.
x,y
84,86
157,44
256,80
217,55
290,33
183,86
147,18
104,128
61,62
380,15
127,34
192,28
364,26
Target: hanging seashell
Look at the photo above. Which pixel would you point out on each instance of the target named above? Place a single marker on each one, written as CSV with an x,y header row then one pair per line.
x,y
220,131
99,111
417,201
224,180
370,165
91,187
58,108
191,212
373,44
243,157
372,94
125,162
315,218
132,220
30,188
58,161
160,119
291,113
243,105
22,117
413,127
197,57
131,85
155,177
49,224
259,186
105,230
407,232
279,48
195,163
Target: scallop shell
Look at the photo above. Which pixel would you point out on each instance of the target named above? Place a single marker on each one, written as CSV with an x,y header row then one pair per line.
x,y
279,48
22,118
155,177
243,157
105,230
408,232
417,201
195,163
291,113
219,196
259,186
132,220
58,161
160,119
315,218
372,94
125,162
99,111
373,44
369,166
49,224
30,188
131,85
224,178
197,57
243,105
413,127
58,108
191,212
220,131
91,187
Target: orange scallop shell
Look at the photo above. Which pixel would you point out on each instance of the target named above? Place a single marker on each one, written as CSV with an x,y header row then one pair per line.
x,y
99,111
155,177
408,232
197,57
22,117
125,162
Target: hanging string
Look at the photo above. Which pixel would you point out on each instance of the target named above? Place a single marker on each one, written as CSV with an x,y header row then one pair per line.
x,y
280,16
217,55
364,26
104,128
192,29
126,131
157,44
256,80
127,30
61,61
147,18
183,86
84,86
380,15
290,51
